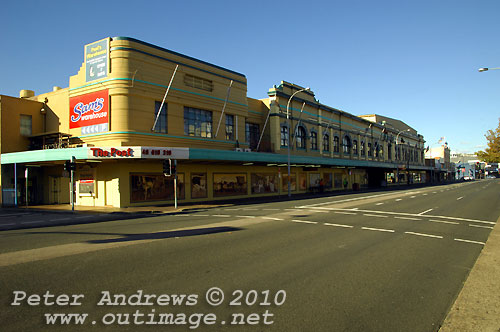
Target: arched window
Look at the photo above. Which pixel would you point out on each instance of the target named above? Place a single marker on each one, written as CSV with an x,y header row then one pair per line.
x,y
362,148
336,144
346,144
326,143
314,140
376,148
284,136
301,138
389,151
355,147
369,150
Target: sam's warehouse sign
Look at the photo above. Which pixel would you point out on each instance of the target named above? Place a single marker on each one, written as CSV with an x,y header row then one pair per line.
x,y
89,109
97,60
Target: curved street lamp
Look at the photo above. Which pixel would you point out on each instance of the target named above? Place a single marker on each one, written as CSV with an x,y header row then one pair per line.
x,y
486,69
288,132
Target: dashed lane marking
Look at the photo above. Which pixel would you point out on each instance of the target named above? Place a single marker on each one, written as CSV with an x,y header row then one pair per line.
x,y
407,218
425,235
480,226
375,215
470,241
445,222
338,225
342,212
378,229
351,211
305,221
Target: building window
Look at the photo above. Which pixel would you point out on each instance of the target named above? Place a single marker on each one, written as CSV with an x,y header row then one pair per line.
x,y
161,124
355,147
301,138
229,127
336,144
389,151
314,140
376,149
252,135
197,122
198,82
25,125
369,150
284,136
346,145
362,148
326,143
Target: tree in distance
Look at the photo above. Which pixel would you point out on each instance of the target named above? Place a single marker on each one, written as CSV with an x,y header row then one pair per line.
x,y
492,153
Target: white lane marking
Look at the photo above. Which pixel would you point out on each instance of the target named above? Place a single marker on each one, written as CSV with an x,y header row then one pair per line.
x,y
413,196
14,214
271,218
470,241
446,222
375,215
341,212
421,213
379,204
81,217
316,211
250,209
221,215
425,235
231,209
271,209
246,217
378,229
407,218
399,199
459,198
338,225
60,219
425,194
202,215
480,226
345,200
182,215
305,221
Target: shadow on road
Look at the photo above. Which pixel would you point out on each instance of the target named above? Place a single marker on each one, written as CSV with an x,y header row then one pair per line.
x,y
168,234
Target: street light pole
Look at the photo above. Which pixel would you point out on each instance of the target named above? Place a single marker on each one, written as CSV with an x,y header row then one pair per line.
x,y
397,139
288,138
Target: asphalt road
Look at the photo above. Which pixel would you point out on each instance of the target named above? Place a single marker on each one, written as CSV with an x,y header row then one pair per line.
x,y
386,261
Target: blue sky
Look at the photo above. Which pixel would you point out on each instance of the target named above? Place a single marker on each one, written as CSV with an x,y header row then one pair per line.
x,y
412,60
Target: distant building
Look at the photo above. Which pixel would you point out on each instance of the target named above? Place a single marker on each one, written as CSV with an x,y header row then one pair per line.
x,y
439,157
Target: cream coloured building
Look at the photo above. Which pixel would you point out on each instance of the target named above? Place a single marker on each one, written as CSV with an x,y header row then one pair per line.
x,y
118,124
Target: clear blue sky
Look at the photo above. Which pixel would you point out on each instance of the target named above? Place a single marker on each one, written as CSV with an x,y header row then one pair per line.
x,y
412,60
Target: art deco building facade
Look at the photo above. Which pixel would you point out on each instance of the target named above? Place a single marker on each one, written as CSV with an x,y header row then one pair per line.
x,y
133,105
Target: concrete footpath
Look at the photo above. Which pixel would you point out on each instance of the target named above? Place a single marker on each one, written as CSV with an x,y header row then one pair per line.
x,y
477,307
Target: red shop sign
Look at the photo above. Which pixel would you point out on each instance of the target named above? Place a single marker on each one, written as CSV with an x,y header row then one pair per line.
x,y
89,109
